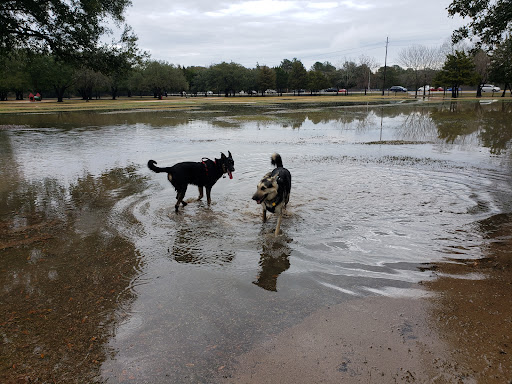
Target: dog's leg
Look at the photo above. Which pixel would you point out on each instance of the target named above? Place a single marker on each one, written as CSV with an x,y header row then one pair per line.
x,y
264,214
278,226
180,196
208,194
200,193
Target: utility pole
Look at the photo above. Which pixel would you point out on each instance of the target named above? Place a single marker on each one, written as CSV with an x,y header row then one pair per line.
x,y
385,65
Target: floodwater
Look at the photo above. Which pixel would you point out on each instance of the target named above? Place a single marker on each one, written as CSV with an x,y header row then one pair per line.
x,y
102,281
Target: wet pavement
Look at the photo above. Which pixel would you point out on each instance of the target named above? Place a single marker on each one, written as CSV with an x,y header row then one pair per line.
x,y
102,281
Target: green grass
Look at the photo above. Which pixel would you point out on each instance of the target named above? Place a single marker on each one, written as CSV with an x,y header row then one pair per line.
x,y
180,103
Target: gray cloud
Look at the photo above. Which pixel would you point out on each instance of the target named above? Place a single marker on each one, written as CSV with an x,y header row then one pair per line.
x,y
197,32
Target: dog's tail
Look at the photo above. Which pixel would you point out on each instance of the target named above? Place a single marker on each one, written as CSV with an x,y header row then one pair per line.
x,y
154,168
276,160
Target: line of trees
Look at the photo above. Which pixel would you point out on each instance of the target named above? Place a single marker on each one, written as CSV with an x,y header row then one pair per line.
x,y
127,72
54,48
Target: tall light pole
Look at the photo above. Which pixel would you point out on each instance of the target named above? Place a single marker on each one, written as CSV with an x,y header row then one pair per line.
x,y
385,65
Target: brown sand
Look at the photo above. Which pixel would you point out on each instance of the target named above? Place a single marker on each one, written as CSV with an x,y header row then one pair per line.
x,y
377,340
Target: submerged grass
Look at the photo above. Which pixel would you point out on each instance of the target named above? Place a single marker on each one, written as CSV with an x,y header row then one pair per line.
x,y
182,103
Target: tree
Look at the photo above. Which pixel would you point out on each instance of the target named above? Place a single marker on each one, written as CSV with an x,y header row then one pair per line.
x,y
5,81
298,76
249,78
266,79
501,65
65,28
197,79
48,72
227,77
329,72
281,79
88,81
347,75
286,65
490,20
482,65
393,76
13,74
420,59
161,77
135,81
459,69
117,59
367,64
317,80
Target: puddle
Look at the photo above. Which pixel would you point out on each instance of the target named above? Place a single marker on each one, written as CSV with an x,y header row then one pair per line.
x,y
101,280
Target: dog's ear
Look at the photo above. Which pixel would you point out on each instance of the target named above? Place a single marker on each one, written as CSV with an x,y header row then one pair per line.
x,y
222,156
229,153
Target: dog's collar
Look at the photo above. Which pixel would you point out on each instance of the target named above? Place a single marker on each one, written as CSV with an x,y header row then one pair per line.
x,y
272,204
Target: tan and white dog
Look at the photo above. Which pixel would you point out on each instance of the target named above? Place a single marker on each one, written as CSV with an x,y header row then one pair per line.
x,y
273,191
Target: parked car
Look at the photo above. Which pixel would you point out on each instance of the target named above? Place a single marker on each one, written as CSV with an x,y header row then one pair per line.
x,y
490,88
398,88
331,90
450,89
430,88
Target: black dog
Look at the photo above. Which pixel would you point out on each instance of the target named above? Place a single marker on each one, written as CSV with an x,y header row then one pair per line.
x,y
203,174
274,190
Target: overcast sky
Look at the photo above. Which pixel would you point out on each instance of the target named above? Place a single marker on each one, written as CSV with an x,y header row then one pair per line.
x,y
206,32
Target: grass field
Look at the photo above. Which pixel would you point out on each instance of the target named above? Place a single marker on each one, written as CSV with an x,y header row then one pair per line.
x,y
176,102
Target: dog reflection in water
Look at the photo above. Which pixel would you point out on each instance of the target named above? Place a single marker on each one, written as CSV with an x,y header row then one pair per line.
x,y
274,260
273,191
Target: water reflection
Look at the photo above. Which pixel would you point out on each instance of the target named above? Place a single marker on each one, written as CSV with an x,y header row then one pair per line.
x,y
473,305
65,273
201,240
448,122
490,122
274,260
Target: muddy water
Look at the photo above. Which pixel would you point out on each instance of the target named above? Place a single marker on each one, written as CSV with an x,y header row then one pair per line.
x,y
102,280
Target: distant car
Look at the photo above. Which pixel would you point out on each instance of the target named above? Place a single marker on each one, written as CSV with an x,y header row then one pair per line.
x,y
398,88
331,90
271,91
430,89
450,89
490,88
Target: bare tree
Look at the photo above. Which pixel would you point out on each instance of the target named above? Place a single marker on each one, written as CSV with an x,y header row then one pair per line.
x,y
482,68
368,64
420,59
